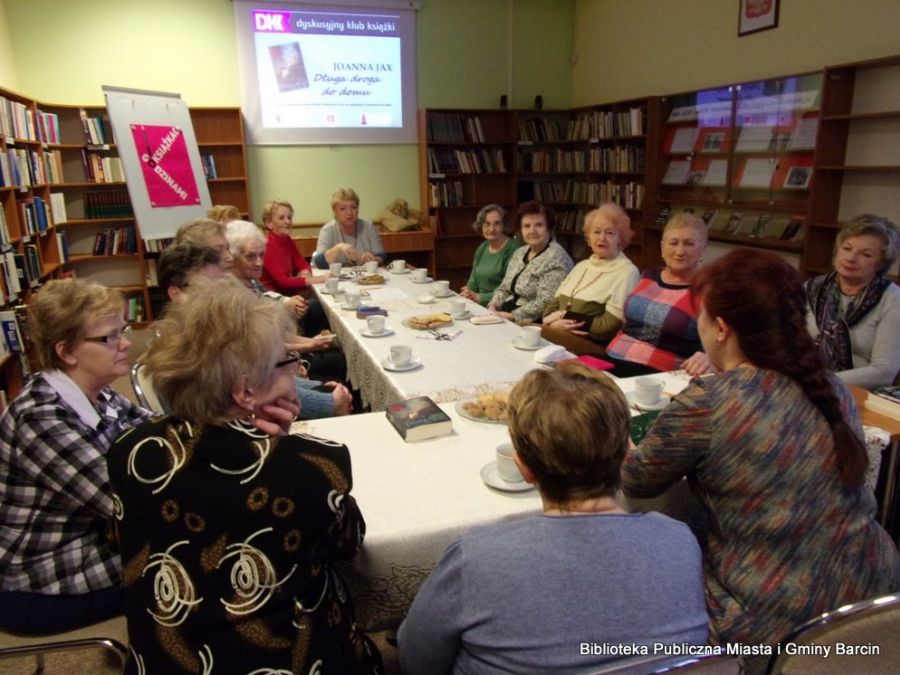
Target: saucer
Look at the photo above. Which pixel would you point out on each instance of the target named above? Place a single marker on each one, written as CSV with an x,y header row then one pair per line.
x,y
529,348
396,272
387,364
426,299
339,291
426,280
664,400
445,295
491,478
349,308
462,317
365,332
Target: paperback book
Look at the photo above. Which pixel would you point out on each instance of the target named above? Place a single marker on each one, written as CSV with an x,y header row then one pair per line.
x,y
885,401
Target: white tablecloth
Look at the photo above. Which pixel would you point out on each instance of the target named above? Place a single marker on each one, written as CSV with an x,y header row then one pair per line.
x,y
480,360
416,499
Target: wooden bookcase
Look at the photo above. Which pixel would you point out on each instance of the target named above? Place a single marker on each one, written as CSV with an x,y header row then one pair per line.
x,y
740,157
572,160
70,166
857,166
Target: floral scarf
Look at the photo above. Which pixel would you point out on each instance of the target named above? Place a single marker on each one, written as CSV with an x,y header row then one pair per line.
x,y
824,297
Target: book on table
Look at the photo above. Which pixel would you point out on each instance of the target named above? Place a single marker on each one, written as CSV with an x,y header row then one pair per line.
x,y
885,401
416,419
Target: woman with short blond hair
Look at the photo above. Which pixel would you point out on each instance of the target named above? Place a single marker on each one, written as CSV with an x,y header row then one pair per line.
x,y
285,270
347,238
590,302
229,527
515,597
58,570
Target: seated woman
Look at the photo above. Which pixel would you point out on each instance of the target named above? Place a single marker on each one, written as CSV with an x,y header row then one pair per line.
x,y
591,300
223,213
772,447
58,570
535,270
492,255
209,233
318,399
229,529
660,331
518,597
347,238
285,270
854,310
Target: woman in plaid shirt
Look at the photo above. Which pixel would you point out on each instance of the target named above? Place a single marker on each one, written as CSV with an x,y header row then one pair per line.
x,y
57,569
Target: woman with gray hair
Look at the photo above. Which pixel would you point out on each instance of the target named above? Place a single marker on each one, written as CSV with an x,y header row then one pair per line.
x,y
493,254
58,569
854,310
229,528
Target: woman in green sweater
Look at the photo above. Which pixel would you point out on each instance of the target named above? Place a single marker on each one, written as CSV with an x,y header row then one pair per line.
x,y
492,256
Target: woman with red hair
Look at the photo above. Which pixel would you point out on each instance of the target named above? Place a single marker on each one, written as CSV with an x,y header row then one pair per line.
x,y
772,448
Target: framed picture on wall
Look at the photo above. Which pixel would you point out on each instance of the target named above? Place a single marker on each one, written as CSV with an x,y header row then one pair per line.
x,y
757,15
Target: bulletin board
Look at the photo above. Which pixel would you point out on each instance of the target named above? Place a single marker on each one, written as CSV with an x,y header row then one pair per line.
x,y
156,143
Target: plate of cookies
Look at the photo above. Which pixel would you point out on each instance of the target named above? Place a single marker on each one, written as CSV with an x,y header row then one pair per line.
x,y
488,408
371,280
428,321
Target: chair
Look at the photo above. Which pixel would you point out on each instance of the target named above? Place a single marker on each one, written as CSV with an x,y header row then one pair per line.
x,y
143,389
711,664
872,625
110,636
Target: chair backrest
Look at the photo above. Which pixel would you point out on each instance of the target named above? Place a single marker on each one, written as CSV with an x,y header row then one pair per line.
x,y
143,388
861,637
710,664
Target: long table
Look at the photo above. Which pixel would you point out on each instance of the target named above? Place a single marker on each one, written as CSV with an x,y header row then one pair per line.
x,y
480,359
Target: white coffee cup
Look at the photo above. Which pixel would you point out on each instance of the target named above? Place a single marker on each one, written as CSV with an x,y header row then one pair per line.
x,y
401,355
335,269
332,285
371,267
419,274
375,323
443,287
353,300
506,465
457,307
530,336
647,390
398,265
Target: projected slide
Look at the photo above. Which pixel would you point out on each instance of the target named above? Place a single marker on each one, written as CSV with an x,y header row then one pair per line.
x,y
327,69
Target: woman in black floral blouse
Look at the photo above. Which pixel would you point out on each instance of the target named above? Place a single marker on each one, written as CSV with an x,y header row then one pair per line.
x,y
228,530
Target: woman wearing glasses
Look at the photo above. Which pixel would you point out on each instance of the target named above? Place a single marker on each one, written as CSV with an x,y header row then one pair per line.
x,y
57,569
228,527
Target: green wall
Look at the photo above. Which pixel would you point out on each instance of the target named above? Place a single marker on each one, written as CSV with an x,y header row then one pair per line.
x,y
469,52
633,48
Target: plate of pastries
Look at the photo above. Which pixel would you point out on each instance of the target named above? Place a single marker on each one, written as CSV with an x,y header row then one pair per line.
x,y
371,280
490,408
428,321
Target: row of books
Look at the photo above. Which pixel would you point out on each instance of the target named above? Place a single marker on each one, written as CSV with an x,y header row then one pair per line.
x,y
607,124
22,168
115,241
800,136
19,271
34,215
448,161
97,130
541,129
102,168
446,194
544,161
107,204
454,128
209,166
17,120
738,223
624,158
134,309
12,340
157,245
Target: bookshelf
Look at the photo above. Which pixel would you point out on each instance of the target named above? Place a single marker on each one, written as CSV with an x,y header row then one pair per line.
x,y
740,157
65,206
467,160
572,160
857,167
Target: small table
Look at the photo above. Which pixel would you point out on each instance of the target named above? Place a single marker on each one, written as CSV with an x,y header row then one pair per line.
x,y
888,489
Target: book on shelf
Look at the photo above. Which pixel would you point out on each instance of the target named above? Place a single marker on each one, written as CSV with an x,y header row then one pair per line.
x,y
12,332
757,173
713,141
209,166
803,137
794,230
677,172
4,228
418,418
733,226
716,173
798,177
754,138
684,140
719,221
62,244
11,275
885,401
58,207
